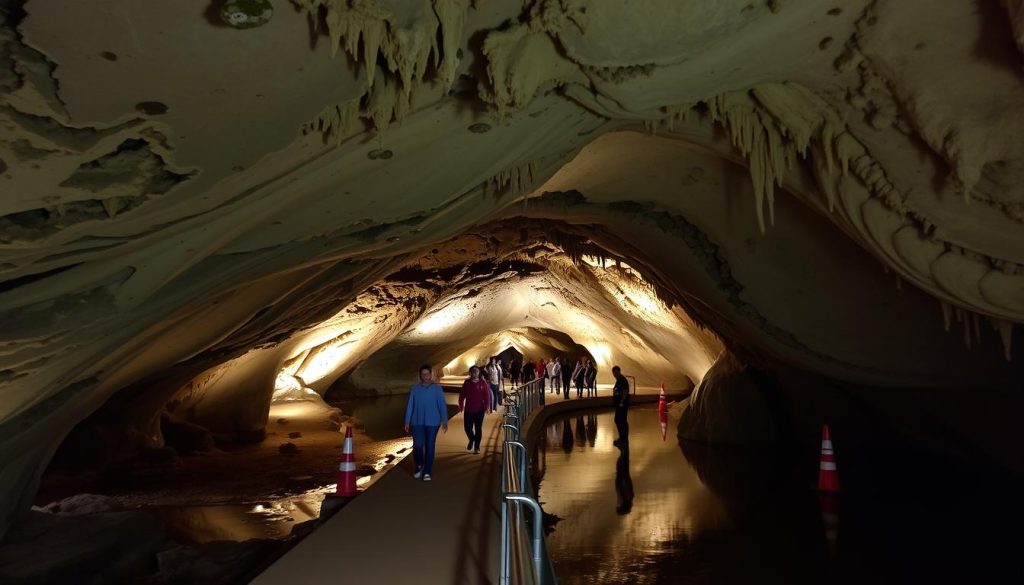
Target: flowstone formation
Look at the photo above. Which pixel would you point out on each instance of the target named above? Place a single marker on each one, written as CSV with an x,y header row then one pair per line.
x,y
198,218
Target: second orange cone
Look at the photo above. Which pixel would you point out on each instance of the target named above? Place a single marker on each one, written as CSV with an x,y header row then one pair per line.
x,y
828,477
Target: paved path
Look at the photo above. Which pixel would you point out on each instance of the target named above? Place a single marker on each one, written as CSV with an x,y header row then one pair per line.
x,y
402,530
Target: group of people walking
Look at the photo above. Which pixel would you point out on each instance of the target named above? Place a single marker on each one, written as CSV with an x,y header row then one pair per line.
x,y
558,377
426,411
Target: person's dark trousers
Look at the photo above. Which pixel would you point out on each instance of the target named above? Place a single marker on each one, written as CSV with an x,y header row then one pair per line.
x,y
579,389
565,391
474,428
622,424
495,398
423,440
567,380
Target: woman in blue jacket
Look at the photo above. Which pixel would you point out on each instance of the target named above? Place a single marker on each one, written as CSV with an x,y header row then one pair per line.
x,y
425,411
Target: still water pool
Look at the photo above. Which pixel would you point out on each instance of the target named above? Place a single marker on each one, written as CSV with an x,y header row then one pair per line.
x,y
654,511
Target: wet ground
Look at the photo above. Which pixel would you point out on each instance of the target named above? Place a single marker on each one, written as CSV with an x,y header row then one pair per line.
x,y
217,517
657,512
253,491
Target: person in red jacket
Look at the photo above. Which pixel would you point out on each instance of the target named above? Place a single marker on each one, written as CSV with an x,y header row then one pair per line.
x,y
474,402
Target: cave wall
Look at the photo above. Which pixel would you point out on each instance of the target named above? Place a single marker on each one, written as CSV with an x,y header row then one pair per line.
x,y
180,195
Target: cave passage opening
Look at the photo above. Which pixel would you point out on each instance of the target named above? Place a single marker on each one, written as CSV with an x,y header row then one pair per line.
x,y
528,344
539,288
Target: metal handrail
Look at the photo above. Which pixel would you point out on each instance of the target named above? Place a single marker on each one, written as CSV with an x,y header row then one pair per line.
x,y
522,462
512,428
538,533
521,401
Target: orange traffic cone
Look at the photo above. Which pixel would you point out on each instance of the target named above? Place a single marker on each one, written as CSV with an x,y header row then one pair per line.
x,y
347,468
828,478
663,413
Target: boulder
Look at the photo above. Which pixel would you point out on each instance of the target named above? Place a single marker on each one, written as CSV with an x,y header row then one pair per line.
x,y
185,437
77,546
728,408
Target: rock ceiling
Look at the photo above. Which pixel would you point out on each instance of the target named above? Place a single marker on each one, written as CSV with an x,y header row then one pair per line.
x,y
832,186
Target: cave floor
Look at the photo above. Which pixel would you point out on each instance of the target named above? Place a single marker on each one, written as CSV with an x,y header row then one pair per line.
x,y
448,529
241,473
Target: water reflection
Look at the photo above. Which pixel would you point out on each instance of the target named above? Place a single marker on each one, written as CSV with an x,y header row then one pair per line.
x,y
622,507
273,519
567,441
623,482
650,512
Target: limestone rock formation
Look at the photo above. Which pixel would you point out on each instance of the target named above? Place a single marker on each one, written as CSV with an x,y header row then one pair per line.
x,y
196,217
728,408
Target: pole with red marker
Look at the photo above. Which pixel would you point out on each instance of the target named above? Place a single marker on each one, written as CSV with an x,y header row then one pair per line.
x,y
663,413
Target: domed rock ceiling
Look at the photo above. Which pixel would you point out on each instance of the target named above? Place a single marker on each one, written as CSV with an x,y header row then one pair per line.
x,y
199,217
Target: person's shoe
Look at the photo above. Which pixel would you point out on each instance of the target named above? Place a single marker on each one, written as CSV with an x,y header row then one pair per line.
x,y
469,446
426,477
418,474
476,451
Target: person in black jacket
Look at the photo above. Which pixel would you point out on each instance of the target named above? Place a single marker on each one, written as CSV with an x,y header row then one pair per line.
x,y
515,371
620,399
566,376
529,370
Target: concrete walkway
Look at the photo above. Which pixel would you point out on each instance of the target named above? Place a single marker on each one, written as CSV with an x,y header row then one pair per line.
x,y
402,530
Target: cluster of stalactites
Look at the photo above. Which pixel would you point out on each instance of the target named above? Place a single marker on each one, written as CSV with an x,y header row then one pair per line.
x,y
971,324
397,45
515,179
775,125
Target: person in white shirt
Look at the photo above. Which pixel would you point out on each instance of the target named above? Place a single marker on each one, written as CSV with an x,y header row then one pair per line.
x,y
492,372
555,375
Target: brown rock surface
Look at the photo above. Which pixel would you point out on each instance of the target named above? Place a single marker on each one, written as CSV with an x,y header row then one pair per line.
x,y
215,222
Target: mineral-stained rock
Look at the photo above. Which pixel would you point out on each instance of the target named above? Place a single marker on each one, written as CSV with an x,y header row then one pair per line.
x,y
728,408
221,223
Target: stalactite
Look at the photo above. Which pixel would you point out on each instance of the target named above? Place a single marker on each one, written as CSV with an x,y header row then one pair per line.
x,y
1005,330
775,124
514,179
336,120
369,34
452,16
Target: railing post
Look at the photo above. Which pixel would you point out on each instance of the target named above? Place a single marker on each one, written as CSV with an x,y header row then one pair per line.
x,y
538,533
521,465
512,428
503,566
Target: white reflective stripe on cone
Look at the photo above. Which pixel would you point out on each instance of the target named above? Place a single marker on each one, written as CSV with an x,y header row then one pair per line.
x,y
827,452
349,466
828,465
826,444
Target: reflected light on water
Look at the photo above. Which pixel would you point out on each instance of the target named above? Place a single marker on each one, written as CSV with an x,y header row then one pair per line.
x,y
619,507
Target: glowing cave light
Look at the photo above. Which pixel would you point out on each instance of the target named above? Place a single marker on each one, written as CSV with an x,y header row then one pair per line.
x,y
601,352
442,319
323,361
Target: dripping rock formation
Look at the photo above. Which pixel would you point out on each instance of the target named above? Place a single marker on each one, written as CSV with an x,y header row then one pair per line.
x,y
203,216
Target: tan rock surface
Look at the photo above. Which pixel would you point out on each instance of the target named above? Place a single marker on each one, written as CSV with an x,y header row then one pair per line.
x,y
192,208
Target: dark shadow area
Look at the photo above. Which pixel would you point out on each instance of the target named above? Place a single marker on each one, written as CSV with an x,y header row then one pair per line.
x,y
663,513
